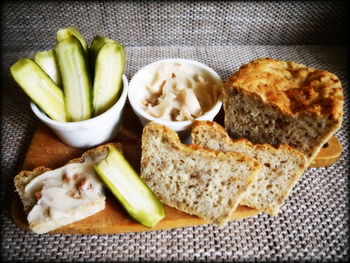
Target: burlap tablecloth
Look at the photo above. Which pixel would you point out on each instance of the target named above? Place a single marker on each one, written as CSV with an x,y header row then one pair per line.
x,y
314,222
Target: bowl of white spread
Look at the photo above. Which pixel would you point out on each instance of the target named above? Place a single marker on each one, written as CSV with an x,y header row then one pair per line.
x,y
175,92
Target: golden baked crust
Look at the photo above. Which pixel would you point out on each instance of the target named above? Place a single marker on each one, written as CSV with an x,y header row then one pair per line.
x,y
291,87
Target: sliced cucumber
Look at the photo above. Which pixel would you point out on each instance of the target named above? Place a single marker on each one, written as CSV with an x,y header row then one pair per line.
x,y
39,87
75,78
95,47
65,33
47,61
135,196
109,69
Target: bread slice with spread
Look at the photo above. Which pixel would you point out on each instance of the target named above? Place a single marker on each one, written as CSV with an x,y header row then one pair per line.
x,y
55,198
281,166
205,183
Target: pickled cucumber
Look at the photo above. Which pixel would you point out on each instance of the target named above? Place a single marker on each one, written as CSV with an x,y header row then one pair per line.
x,y
75,78
47,61
96,45
135,196
39,87
65,33
109,68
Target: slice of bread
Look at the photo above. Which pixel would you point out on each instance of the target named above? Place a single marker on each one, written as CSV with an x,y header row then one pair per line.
x,y
281,166
280,102
205,183
30,186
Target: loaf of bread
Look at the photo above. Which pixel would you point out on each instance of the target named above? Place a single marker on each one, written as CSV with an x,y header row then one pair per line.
x,y
280,102
54,198
205,183
281,166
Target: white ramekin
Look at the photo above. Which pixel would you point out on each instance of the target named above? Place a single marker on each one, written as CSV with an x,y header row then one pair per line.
x,y
91,132
182,127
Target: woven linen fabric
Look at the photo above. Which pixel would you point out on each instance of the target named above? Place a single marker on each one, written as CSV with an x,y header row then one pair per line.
x,y
314,222
33,24
313,225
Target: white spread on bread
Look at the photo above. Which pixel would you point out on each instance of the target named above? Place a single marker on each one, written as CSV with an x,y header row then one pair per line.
x,y
176,91
59,192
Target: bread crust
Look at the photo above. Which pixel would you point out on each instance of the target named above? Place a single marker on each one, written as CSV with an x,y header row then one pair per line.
x,y
263,146
193,148
292,88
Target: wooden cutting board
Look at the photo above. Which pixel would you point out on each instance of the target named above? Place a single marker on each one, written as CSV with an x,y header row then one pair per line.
x,y
47,150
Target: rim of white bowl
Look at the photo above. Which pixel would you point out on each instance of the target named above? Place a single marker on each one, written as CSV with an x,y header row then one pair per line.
x,y
120,103
139,110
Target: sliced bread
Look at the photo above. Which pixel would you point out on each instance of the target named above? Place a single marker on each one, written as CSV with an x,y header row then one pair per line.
x,y
54,198
205,183
283,102
281,166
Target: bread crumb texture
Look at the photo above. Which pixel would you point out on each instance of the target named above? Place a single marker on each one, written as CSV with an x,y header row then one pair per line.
x,y
281,166
200,182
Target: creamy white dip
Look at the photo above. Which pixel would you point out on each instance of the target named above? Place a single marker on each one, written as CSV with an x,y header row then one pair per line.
x,y
176,91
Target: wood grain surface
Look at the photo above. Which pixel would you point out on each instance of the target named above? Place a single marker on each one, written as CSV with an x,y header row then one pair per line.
x,y
329,154
47,150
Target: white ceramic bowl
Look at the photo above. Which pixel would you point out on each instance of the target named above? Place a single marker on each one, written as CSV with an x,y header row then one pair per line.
x,y
91,132
182,127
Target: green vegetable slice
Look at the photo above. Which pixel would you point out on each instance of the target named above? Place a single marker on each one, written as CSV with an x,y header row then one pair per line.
x,y
47,61
65,33
39,87
95,47
109,68
135,196
75,78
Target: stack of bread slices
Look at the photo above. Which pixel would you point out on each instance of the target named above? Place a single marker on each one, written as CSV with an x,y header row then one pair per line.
x,y
210,177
